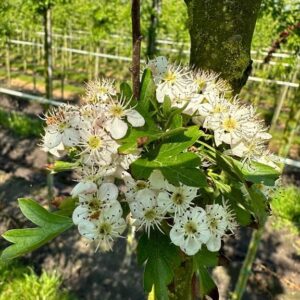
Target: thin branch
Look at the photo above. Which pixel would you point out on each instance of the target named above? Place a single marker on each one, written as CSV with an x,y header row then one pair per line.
x,y
136,47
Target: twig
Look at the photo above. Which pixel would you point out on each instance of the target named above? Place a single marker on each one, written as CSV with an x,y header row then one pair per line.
x,y
136,47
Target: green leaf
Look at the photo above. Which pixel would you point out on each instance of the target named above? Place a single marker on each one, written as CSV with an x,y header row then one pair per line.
x,y
176,166
258,173
259,204
207,285
137,138
160,258
147,92
29,239
206,258
126,90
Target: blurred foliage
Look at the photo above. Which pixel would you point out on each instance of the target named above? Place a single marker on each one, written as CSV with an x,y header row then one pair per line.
x,y
20,282
21,124
286,208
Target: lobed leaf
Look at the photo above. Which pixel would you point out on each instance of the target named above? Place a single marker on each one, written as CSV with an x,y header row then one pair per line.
x,y
29,239
160,258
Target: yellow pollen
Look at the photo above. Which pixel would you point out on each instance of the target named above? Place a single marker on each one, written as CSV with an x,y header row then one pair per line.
x,y
103,90
177,198
201,83
117,111
190,227
141,185
230,124
150,214
170,77
94,142
219,108
51,120
105,228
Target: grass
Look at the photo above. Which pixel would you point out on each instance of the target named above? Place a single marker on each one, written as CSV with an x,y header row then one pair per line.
x,y
20,124
18,282
286,208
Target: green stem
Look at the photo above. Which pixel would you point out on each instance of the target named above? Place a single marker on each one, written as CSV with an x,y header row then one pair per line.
x,y
247,264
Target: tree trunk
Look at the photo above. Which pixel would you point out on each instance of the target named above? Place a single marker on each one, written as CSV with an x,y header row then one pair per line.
x,y
48,53
221,34
155,10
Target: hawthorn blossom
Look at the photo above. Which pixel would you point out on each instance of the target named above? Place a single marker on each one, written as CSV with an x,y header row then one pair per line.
x,y
117,111
100,90
156,183
177,199
145,210
62,129
219,220
103,230
91,205
174,84
231,126
190,230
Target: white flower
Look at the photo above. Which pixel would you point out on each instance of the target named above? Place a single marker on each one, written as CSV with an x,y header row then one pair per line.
x,y
156,182
174,84
270,160
209,83
220,219
62,129
177,199
190,230
232,126
91,205
98,146
116,112
100,90
145,210
250,148
158,67
106,228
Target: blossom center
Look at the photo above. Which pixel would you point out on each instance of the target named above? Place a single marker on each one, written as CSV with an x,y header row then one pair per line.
x,y
94,142
150,214
170,77
190,227
117,111
140,185
201,84
105,228
178,198
230,124
219,108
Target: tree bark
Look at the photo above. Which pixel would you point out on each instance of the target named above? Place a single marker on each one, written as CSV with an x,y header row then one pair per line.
x,y
48,52
221,33
136,47
155,10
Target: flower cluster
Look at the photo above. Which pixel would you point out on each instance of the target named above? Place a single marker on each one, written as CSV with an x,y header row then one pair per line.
x,y
203,95
93,133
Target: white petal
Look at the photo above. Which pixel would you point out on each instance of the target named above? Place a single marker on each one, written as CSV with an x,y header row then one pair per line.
x,y
135,118
157,180
80,214
84,187
51,139
88,230
161,93
112,212
191,246
108,192
56,151
163,200
214,243
70,137
177,236
117,128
